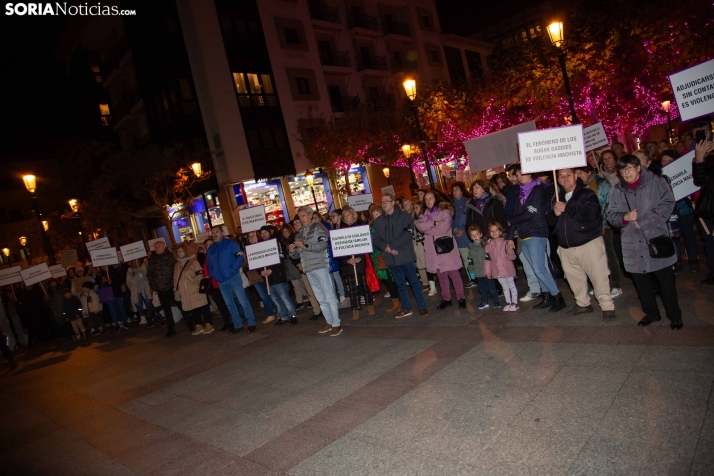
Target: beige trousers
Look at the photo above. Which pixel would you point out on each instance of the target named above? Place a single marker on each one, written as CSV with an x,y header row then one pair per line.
x,y
313,301
588,261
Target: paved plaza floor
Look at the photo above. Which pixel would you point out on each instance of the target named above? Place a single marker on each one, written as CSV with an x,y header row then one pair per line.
x,y
457,392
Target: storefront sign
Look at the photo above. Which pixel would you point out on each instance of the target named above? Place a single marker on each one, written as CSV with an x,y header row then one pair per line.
x,y
58,271
694,90
35,274
680,174
497,148
595,137
552,149
260,255
154,241
388,189
99,244
360,203
105,257
251,219
10,276
133,251
68,258
351,241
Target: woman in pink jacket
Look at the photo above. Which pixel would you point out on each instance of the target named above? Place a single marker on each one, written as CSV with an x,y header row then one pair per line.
x,y
435,225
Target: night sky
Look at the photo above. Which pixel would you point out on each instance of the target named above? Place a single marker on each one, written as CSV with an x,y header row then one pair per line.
x,y
37,109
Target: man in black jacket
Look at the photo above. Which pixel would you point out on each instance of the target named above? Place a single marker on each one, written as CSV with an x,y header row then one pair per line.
x,y
703,176
161,279
578,226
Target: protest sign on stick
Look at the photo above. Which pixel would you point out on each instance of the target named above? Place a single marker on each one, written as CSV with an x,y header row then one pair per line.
x,y
133,251
105,257
694,90
252,219
36,274
261,255
361,202
350,242
99,244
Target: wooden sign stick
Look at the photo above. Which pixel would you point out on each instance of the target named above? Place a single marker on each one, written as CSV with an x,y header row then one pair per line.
x,y
267,285
555,180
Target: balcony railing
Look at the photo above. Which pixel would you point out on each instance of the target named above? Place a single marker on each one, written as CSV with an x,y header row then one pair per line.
x,y
395,28
362,21
335,58
324,13
257,100
405,67
372,62
344,103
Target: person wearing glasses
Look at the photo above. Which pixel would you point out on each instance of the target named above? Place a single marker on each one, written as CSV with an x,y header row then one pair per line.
x,y
641,204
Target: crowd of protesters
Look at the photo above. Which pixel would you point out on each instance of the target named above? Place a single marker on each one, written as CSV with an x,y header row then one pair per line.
x,y
603,223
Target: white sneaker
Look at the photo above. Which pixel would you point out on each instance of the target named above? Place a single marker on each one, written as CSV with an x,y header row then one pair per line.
x,y
529,297
615,292
143,321
342,299
387,295
506,308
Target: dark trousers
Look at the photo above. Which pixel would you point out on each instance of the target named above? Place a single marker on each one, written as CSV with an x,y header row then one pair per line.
x,y
392,287
487,288
612,262
217,297
645,288
5,349
709,243
359,289
166,298
202,314
686,225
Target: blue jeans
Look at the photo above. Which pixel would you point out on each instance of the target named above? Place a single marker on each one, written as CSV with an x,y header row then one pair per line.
x,y
267,301
281,295
487,288
234,286
340,285
686,224
535,250
116,309
403,273
324,289
142,303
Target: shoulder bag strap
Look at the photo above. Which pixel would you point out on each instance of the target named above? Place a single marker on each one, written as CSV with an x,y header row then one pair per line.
x,y
635,222
181,273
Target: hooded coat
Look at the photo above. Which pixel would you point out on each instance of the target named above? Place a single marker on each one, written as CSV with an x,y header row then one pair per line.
x,y
187,285
434,227
654,201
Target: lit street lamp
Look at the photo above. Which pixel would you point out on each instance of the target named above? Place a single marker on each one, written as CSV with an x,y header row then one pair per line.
x,y
196,166
198,171
665,107
555,31
410,89
310,179
31,185
6,252
385,171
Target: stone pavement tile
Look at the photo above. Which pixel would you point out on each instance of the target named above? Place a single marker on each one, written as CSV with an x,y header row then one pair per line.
x,y
619,335
405,463
243,467
691,336
152,456
704,455
202,459
622,357
344,456
289,449
678,359
241,433
28,437
20,419
342,417
298,408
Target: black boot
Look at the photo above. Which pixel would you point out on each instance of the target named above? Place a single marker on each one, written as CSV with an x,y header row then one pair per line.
x,y
545,301
444,304
462,303
558,303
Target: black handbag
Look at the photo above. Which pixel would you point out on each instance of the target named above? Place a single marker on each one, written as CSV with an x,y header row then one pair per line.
x,y
661,246
443,245
205,286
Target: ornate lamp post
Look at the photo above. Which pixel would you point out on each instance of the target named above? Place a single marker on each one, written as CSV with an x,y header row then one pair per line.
x,y
6,253
555,31
310,179
31,186
385,171
410,89
665,106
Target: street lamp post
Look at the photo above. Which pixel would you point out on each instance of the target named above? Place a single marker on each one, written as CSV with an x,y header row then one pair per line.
x,y
385,171
198,170
410,88
555,31
666,105
31,185
6,252
310,179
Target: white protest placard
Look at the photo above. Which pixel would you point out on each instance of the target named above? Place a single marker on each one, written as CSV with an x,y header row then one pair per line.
x,y
133,251
35,274
10,276
58,271
68,257
680,175
360,203
99,244
251,219
595,137
105,257
552,149
388,189
495,149
152,242
694,90
260,255
201,237
356,240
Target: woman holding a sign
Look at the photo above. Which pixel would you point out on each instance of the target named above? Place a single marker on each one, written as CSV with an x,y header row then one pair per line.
x,y
641,205
187,278
442,254
353,269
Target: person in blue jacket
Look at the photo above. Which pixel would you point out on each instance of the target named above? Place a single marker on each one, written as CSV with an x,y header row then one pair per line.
x,y
224,261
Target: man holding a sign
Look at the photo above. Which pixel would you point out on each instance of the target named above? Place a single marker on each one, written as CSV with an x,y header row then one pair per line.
x,y
310,247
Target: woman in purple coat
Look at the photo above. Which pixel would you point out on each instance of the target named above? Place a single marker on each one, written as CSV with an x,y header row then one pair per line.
x,y
435,223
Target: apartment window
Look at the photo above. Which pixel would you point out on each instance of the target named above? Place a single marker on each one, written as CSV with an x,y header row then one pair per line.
x,y
397,55
94,67
254,89
267,84
239,81
291,36
303,85
104,109
435,58
473,62
434,54
426,19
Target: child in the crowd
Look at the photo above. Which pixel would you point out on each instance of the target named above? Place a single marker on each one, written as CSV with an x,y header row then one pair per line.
x,y
477,256
499,264
92,308
72,311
